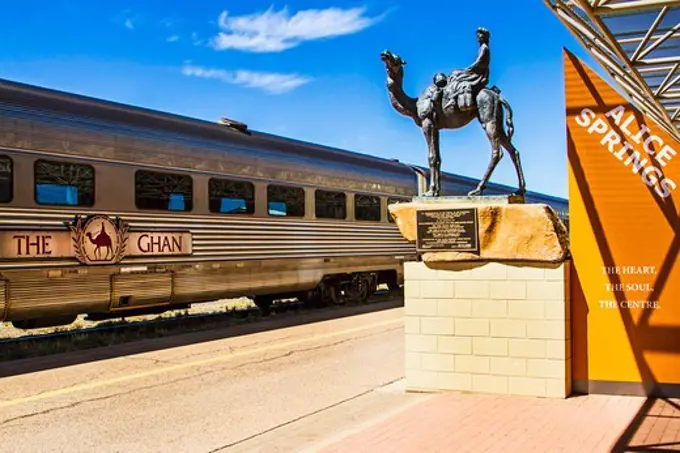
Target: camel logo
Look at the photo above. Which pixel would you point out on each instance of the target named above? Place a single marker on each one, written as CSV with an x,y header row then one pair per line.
x,y
99,239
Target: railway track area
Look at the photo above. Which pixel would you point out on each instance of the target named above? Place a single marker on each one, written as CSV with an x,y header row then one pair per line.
x,y
86,334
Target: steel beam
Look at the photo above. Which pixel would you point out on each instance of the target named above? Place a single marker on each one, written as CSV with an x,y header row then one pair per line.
x,y
632,6
630,70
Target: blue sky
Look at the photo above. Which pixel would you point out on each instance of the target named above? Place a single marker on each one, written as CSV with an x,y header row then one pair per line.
x,y
305,69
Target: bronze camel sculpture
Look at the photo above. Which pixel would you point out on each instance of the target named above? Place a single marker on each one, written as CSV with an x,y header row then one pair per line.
x,y
437,109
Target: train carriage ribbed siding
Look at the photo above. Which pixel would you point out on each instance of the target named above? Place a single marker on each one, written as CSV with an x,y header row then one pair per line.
x,y
252,253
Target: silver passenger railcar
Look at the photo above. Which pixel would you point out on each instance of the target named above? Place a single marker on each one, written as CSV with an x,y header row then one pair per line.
x,y
113,210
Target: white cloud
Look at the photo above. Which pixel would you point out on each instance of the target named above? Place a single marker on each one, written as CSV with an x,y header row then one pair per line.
x,y
168,22
270,82
129,24
275,31
173,38
196,40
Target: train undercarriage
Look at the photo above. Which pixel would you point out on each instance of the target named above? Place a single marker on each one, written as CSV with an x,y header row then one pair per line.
x,y
339,289
334,289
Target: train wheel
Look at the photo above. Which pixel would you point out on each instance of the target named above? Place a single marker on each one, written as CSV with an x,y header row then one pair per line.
x,y
310,299
373,285
360,288
329,293
264,303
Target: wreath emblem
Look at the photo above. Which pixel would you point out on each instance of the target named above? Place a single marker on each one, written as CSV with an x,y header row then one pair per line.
x,y
99,239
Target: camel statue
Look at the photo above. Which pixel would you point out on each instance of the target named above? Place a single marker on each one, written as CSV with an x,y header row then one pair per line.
x,y
101,240
437,108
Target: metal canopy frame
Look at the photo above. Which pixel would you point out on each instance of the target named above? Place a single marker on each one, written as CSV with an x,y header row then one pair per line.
x,y
638,43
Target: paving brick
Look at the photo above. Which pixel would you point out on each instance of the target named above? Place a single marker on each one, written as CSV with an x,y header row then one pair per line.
x,y
457,308
454,345
437,362
472,327
420,307
421,343
510,290
527,348
437,326
490,346
490,309
489,384
472,289
437,289
508,423
508,328
471,364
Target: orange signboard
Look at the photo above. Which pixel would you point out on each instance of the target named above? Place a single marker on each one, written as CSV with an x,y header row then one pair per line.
x,y
624,172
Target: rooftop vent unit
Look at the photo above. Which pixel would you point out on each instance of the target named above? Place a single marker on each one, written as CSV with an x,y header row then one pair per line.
x,y
233,124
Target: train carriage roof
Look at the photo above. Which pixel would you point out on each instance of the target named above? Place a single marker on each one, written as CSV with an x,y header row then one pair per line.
x,y
252,147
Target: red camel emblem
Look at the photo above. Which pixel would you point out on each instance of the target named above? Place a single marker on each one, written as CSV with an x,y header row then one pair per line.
x,y
101,240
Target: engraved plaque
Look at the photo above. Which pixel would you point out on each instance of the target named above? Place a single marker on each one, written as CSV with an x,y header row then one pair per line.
x,y
453,230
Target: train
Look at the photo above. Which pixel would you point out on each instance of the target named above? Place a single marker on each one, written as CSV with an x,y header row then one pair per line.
x,y
112,210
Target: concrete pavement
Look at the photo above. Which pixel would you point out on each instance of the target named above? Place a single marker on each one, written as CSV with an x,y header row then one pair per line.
x,y
209,396
323,385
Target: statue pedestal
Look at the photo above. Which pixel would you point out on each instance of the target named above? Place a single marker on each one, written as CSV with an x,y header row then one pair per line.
x,y
494,320
507,231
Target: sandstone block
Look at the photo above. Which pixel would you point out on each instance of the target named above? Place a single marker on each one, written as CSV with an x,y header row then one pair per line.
x,y
515,232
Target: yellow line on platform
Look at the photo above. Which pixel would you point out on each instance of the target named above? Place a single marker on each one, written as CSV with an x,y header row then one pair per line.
x,y
181,366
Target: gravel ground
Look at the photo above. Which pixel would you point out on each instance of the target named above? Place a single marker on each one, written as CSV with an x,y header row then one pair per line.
x,y
218,306
7,331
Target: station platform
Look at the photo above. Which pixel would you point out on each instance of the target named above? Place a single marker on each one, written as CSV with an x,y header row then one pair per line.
x,y
459,422
314,382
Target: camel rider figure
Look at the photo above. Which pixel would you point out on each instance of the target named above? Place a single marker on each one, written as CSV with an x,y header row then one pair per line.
x,y
464,85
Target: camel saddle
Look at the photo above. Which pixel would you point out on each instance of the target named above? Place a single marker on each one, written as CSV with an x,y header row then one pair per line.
x,y
459,90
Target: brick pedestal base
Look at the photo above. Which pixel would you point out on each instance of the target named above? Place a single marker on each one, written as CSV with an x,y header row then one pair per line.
x,y
492,328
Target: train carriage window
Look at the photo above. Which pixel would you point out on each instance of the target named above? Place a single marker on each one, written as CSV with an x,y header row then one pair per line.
x,y
231,197
330,205
163,191
63,183
6,179
285,201
367,207
393,201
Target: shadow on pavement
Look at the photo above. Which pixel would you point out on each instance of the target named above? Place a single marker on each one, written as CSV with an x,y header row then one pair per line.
x,y
655,428
179,338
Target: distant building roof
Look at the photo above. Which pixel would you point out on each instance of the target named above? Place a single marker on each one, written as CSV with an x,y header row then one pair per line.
x,y
638,43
